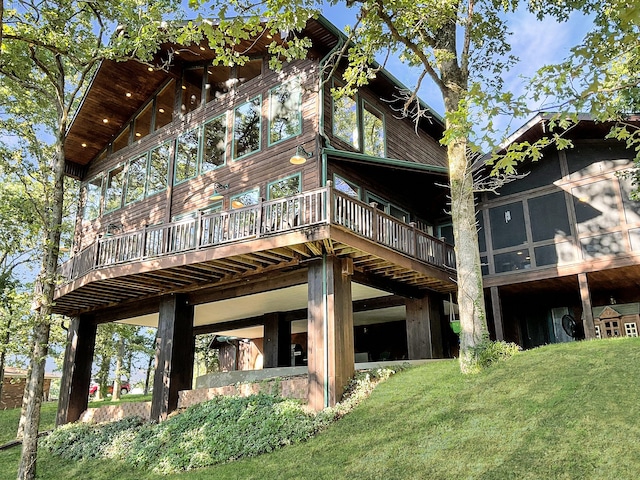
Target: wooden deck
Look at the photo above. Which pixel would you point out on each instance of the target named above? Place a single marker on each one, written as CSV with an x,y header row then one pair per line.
x,y
277,235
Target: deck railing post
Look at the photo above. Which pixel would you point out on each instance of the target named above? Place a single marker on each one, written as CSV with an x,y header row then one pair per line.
x,y
329,202
374,221
96,256
260,216
414,243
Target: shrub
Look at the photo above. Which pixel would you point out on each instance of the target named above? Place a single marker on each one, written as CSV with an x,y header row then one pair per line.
x,y
488,352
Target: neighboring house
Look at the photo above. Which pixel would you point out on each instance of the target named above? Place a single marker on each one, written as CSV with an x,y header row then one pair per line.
x,y
13,387
563,242
248,203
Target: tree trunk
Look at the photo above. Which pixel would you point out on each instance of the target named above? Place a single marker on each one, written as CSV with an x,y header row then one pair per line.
x,y
148,377
473,322
3,355
119,360
46,280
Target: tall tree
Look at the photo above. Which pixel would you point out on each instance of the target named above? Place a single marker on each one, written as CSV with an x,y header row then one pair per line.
x,y
49,51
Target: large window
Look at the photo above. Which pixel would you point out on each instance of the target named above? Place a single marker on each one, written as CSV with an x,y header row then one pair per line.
x,y
345,120
247,128
114,189
192,89
285,118
158,171
596,206
548,215
214,144
372,131
507,225
136,179
165,104
285,187
186,156
250,70
93,193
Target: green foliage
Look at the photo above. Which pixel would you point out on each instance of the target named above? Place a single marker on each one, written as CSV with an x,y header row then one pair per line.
x,y
217,431
489,352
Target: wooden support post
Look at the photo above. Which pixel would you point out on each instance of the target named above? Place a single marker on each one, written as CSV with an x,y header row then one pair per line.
x,y
174,355
587,312
330,352
277,341
424,327
496,307
76,371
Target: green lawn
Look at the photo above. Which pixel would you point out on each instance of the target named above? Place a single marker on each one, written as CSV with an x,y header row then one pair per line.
x,y
559,412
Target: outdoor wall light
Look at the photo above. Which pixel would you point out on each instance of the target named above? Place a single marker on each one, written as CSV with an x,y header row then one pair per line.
x,y
217,194
300,156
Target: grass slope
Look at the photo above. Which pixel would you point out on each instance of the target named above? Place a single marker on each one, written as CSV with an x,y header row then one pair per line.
x,y
563,412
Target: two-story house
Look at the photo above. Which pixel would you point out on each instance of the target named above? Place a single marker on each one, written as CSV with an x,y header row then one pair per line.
x,y
251,203
561,247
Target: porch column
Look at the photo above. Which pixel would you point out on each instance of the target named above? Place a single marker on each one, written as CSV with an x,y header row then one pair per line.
x,y
496,307
587,312
76,370
174,355
330,351
424,327
277,341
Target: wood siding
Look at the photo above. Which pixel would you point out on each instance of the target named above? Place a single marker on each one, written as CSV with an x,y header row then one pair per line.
x,y
256,170
403,143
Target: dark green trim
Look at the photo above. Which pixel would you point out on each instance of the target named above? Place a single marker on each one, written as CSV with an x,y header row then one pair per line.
x,y
387,162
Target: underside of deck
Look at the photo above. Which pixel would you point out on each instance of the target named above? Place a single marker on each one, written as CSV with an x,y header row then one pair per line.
x,y
134,286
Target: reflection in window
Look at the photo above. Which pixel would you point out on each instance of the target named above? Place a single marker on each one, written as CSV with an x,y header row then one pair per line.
x,y
345,120
602,245
245,199
284,117
373,131
214,144
142,124
631,207
518,260
192,89
122,140
218,81
158,177
115,188
345,186
93,191
284,188
186,156
165,104
249,71
136,177
555,254
246,128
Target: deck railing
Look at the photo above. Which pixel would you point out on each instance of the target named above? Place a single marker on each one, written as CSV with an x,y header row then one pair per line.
x,y
254,221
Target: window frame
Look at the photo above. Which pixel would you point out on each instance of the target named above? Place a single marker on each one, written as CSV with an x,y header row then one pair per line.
x,y
198,131
238,195
98,197
297,174
224,116
124,172
355,143
361,126
357,188
146,156
170,144
233,133
293,87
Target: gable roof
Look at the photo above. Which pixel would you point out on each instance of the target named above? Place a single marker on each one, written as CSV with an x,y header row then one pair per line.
x,y
119,89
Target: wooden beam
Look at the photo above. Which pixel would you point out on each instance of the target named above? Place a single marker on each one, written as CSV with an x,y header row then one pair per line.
x,y
587,312
387,285
424,327
174,355
277,341
76,372
496,308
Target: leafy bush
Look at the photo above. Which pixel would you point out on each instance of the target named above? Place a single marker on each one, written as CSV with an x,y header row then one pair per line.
x,y
217,431
488,352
